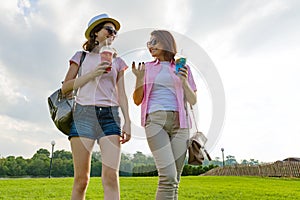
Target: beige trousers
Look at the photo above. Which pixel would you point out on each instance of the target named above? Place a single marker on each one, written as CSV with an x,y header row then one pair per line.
x,y
168,144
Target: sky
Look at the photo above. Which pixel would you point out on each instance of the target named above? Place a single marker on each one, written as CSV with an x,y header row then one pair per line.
x,y
244,56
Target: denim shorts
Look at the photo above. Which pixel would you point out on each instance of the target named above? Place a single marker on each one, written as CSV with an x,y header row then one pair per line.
x,y
95,122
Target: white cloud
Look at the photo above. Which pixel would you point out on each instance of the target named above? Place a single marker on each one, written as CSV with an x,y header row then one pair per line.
x,y
22,138
9,7
10,124
10,93
177,15
26,7
246,21
262,103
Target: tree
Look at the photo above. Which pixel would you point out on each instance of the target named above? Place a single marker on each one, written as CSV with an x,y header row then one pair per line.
x,y
38,168
11,165
126,165
62,154
126,157
244,162
39,164
3,168
253,162
21,166
230,160
96,156
42,154
62,168
139,158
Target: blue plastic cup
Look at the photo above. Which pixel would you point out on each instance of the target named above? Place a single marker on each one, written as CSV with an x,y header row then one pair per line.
x,y
180,62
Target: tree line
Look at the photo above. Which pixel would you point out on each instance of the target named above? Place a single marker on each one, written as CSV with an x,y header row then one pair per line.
x,y
137,164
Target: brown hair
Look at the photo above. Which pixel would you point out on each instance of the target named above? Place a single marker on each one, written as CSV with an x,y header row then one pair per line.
x,y
90,44
168,42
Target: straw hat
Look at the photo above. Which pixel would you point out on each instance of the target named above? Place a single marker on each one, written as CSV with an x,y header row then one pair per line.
x,y
99,19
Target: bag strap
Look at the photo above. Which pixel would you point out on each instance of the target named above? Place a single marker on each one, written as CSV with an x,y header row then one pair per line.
x,y
83,54
194,118
80,62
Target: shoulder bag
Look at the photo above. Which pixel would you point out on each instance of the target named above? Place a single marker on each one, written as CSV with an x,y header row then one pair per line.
x,y
196,147
61,106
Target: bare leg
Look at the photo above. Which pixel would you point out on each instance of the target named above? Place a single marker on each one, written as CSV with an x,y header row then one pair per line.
x,y
111,155
81,151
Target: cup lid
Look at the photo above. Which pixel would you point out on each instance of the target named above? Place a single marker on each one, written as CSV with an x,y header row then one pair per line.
x,y
107,49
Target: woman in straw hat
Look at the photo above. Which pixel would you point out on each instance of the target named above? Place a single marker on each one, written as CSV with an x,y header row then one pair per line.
x,y
100,93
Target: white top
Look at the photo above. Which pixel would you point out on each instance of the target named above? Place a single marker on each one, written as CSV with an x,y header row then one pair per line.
x,y
163,95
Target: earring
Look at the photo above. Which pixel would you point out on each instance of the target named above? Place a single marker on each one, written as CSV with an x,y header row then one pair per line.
x,y
94,38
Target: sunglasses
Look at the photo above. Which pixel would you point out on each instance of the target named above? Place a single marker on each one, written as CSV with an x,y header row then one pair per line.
x,y
110,30
152,42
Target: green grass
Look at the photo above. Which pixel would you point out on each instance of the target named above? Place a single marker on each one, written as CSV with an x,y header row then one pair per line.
x,y
140,188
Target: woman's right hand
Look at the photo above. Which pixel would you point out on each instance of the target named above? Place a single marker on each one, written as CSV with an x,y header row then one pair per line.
x,y
140,71
99,70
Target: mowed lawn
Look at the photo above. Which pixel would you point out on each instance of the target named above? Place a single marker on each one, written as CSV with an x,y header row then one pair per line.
x,y
143,188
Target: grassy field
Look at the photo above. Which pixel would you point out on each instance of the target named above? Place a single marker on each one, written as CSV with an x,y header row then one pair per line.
x,y
140,188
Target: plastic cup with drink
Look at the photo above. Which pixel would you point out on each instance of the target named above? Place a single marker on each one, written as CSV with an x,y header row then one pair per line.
x,y
180,62
106,55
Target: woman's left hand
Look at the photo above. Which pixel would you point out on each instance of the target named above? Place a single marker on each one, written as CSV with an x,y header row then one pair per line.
x,y
126,133
183,73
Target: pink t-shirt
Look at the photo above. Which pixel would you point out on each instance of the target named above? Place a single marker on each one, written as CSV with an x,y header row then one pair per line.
x,y
151,71
101,91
